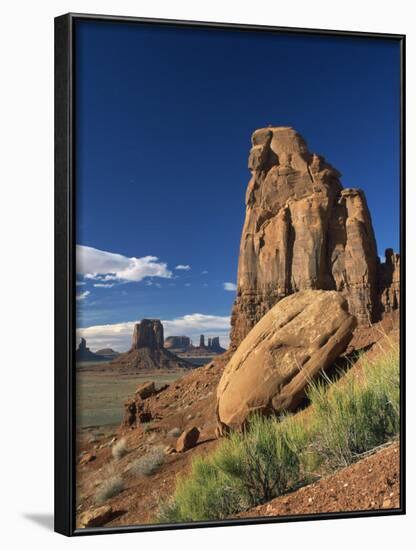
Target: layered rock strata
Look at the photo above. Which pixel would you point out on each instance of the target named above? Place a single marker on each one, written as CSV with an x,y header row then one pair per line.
x,y
302,231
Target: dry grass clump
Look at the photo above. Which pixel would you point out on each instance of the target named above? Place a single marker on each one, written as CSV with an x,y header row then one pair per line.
x,y
149,463
119,449
109,488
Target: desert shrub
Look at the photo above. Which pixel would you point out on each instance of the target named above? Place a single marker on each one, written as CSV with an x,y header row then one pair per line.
x,y
300,435
207,494
109,488
149,463
265,457
168,512
119,449
274,456
247,469
360,413
174,432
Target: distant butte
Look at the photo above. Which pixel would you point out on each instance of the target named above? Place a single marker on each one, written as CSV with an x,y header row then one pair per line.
x,y
147,351
183,345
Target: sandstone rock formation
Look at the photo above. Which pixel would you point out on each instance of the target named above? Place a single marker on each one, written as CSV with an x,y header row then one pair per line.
x,y
297,339
389,281
83,353
182,346
214,345
136,410
145,390
147,351
303,231
178,342
148,334
96,517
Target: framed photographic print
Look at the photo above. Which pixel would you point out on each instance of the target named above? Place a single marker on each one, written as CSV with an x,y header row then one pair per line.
x,y
229,287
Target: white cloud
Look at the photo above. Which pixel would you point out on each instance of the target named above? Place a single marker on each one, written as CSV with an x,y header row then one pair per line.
x,y
103,266
82,295
232,287
118,336
80,283
205,272
187,284
182,267
103,285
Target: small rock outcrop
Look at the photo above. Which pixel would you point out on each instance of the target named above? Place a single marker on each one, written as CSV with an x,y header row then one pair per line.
x,y
86,458
298,338
303,231
145,390
187,440
96,517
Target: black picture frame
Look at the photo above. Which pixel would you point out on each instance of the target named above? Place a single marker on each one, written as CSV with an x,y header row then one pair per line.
x,y
65,217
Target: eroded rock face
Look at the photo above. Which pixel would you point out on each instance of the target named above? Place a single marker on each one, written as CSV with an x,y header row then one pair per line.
x,y
145,390
147,351
148,334
301,335
302,231
214,344
177,342
389,277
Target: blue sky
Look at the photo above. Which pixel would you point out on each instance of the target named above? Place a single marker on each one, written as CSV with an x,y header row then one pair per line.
x,y
163,124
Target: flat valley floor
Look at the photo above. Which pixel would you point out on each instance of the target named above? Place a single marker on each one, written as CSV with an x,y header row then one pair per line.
x,y
101,393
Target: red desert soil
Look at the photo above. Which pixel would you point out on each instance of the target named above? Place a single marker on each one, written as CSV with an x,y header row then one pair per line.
x,y
372,483
187,402
190,401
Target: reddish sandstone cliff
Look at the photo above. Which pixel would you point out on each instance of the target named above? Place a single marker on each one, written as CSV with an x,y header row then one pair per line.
x,y
304,231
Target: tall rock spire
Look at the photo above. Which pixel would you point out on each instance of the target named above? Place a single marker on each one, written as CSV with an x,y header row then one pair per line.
x,y
302,231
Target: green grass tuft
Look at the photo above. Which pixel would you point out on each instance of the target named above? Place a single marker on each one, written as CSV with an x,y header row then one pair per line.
x,y
272,457
355,416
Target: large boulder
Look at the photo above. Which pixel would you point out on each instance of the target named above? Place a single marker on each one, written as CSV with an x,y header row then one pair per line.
x,y
299,337
303,231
